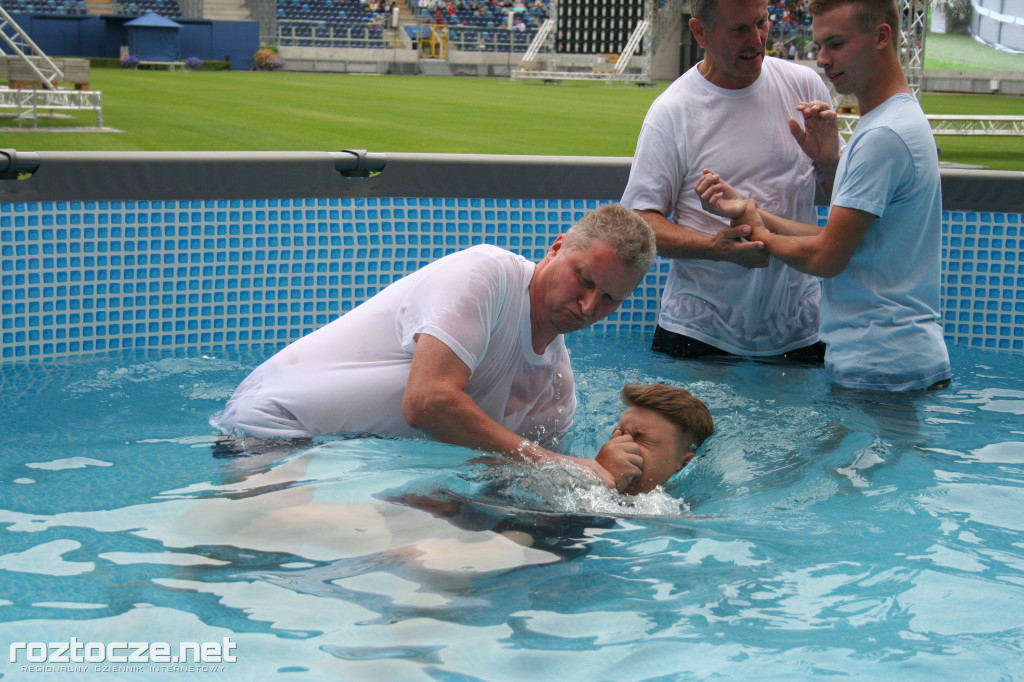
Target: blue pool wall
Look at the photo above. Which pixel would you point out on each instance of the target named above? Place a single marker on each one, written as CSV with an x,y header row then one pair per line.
x,y
219,252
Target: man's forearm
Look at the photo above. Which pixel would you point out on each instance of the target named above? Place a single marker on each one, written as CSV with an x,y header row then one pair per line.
x,y
453,417
798,252
435,402
456,419
824,252
825,174
675,241
784,226
729,244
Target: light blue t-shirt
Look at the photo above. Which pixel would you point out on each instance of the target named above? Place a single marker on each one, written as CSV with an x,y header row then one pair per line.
x,y
880,316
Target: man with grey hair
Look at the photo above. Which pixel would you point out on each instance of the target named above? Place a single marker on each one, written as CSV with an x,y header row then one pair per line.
x,y
723,294
467,350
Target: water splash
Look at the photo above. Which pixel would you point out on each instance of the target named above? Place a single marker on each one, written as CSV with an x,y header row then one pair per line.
x,y
554,488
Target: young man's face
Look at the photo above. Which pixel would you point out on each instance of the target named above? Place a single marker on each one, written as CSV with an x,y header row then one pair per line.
x,y
661,447
734,44
846,55
574,288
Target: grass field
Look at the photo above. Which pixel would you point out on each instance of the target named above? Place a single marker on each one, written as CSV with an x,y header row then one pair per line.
x,y
264,111
249,110
964,53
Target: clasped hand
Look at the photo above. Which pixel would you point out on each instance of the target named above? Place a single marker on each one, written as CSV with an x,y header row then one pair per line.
x,y
621,458
731,243
719,197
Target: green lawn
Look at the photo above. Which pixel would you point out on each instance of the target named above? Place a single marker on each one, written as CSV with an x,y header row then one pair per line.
x,y
996,152
964,53
263,111
249,110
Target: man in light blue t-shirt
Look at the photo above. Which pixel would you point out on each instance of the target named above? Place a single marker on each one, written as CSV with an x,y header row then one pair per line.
x,y
879,251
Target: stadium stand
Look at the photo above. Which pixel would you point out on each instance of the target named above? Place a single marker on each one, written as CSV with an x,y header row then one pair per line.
x,y
331,23
472,25
473,39
165,8
791,25
61,7
483,25
475,25
793,13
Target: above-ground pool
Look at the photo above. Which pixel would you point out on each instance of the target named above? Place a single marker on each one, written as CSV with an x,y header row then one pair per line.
x,y
823,533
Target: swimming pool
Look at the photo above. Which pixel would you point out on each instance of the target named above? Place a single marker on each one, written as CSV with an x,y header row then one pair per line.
x,y
824,533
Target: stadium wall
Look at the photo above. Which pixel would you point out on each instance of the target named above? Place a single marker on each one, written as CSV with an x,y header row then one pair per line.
x,y
999,23
974,82
103,36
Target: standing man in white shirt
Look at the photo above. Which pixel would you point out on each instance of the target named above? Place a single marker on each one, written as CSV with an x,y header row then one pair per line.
x,y
724,295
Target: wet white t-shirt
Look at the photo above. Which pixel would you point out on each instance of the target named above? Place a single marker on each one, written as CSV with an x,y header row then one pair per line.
x,y
744,136
350,375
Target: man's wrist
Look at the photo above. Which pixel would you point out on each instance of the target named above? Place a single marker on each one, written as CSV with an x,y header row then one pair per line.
x,y
529,451
823,170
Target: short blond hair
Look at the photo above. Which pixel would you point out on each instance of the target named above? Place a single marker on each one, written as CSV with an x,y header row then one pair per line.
x,y
677,405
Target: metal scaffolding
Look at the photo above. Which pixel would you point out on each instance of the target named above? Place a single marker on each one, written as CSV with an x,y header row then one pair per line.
x,y
955,125
915,27
19,44
600,69
44,94
29,103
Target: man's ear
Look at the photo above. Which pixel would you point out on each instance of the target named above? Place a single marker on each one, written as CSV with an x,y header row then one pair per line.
x,y
556,245
883,34
697,29
686,459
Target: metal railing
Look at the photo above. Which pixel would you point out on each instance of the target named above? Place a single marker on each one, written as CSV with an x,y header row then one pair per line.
x,y
303,33
480,39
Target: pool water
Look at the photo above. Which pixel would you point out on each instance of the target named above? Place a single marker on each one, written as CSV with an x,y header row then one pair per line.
x,y
822,533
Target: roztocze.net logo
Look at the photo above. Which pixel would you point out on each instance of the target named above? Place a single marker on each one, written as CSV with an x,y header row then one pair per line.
x,y
122,656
